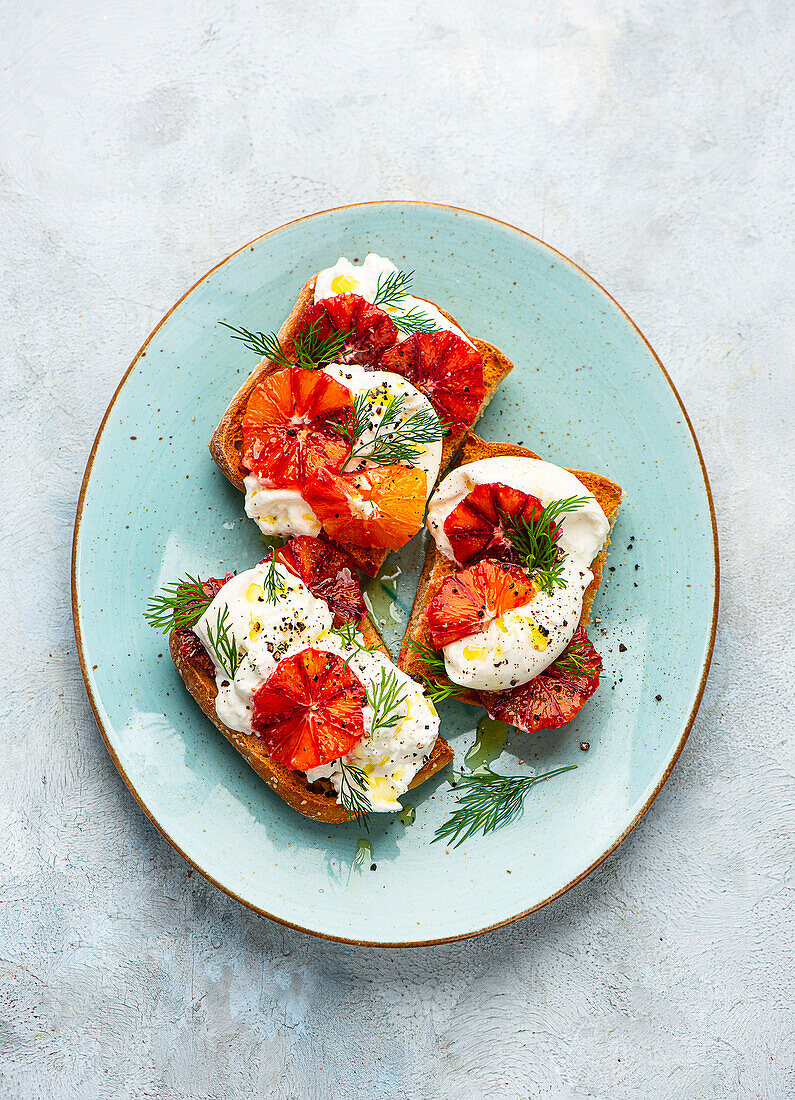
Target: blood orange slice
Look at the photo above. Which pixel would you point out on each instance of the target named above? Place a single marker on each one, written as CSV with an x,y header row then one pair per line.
x,y
328,573
369,330
380,506
469,601
553,697
310,710
474,527
286,436
446,369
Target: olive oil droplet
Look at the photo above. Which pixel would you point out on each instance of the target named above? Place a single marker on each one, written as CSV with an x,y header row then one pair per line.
x,y
407,815
381,597
364,854
489,743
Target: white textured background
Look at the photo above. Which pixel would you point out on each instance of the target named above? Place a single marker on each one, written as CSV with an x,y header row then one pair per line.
x,y
141,143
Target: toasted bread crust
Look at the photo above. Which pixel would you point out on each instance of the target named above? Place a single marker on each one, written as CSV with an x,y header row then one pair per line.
x,y
437,567
225,445
317,801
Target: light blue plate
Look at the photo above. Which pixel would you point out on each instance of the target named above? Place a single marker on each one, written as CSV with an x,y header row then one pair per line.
x,y
587,392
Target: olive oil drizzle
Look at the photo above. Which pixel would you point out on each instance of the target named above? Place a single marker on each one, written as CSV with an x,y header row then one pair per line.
x,y
489,743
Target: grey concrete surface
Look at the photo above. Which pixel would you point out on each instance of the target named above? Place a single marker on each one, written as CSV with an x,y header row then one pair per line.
x,y
652,143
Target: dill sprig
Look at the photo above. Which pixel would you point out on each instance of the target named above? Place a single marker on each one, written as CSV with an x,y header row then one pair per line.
x,y
311,349
314,350
386,697
273,584
353,794
180,604
224,643
394,439
430,657
536,544
356,420
439,690
488,801
573,664
413,321
434,674
266,344
393,288
348,633
390,292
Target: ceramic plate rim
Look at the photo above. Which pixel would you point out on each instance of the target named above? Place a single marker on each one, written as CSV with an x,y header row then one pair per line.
x,y
707,657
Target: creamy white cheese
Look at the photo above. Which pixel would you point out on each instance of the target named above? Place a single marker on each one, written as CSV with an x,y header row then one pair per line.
x,y
583,532
279,511
347,278
284,511
522,643
381,385
392,757
266,633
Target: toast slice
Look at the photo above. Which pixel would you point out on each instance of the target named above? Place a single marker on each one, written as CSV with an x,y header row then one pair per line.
x,y
437,566
226,443
316,800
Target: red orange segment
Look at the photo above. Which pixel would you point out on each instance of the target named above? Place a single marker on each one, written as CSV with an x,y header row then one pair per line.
x,y
447,369
328,573
474,527
381,506
369,330
310,710
286,436
469,601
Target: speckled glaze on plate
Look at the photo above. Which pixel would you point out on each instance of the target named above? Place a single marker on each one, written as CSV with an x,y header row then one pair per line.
x,y
587,392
